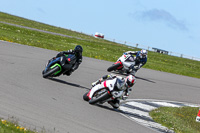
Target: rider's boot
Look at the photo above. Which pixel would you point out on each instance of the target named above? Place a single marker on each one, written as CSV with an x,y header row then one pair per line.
x,y
131,68
97,82
134,71
114,103
68,73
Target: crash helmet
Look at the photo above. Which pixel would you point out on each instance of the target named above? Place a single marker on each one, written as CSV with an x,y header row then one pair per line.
x,y
130,80
143,53
78,48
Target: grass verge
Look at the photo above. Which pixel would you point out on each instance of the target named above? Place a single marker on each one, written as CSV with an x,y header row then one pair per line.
x,y
180,120
11,127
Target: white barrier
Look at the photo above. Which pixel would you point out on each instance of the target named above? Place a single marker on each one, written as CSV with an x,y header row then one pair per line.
x,y
151,49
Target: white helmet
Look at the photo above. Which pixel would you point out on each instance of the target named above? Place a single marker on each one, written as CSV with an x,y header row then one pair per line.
x,y
143,53
130,80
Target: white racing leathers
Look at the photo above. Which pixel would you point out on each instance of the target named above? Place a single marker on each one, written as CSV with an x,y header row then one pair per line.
x,y
128,61
115,86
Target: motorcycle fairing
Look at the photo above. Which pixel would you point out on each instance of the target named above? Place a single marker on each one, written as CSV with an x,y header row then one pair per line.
x,y
52,62
71,58
121,65
55,66
108,84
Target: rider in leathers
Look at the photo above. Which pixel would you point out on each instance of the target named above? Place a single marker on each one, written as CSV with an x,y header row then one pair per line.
x,y
128,82
78,53
140,59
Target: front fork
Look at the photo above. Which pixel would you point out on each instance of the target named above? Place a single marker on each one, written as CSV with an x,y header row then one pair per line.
x,y
114,95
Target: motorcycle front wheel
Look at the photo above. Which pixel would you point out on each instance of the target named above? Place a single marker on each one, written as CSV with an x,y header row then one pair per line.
x,y
99,96
50,72
113,67
85,97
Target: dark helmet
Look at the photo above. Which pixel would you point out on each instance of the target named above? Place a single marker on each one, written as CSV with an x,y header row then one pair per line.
x,y
78,49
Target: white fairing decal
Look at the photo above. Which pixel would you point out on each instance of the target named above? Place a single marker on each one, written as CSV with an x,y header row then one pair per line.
x,y
108,83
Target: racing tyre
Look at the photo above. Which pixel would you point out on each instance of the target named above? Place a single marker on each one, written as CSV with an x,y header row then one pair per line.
x,y
85,97
50,72
98,97
113,67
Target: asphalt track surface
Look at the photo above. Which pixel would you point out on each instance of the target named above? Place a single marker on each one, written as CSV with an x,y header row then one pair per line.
x,y
57,106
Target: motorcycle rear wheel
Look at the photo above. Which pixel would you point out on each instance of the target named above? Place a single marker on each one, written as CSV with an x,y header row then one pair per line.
x,y
50,72
98,98
113,67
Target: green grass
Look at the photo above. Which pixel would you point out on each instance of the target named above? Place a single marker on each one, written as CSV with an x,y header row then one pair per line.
x,y
33,24
181,120
12,127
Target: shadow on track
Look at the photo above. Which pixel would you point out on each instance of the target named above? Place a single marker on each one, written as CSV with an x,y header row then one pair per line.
x,y
135,77
67,83
106,107
144,79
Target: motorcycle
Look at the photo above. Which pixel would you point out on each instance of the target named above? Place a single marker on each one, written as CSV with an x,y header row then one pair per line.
x,y
105,92
125,64
57,66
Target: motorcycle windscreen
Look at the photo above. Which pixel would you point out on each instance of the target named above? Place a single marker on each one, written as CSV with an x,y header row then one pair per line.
x,y
119,85
130,59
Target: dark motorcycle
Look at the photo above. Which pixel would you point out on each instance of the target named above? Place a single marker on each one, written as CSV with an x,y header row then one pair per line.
x,y
60,65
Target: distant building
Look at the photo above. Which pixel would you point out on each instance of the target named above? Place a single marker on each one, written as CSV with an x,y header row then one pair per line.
x,y
160,51
99,35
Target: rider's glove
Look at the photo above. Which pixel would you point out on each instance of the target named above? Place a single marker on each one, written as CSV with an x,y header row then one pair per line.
x,y
70,51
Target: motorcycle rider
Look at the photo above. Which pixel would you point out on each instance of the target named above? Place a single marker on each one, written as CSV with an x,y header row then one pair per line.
x,y
77,52
127,82
140,60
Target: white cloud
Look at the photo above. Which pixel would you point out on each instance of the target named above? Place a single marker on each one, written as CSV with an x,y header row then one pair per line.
x,y
161,16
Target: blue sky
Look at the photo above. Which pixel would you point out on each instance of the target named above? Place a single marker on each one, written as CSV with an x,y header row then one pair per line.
x,y
172,25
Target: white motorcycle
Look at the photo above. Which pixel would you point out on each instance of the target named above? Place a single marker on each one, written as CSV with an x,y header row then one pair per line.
x,y
125,64
105,91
